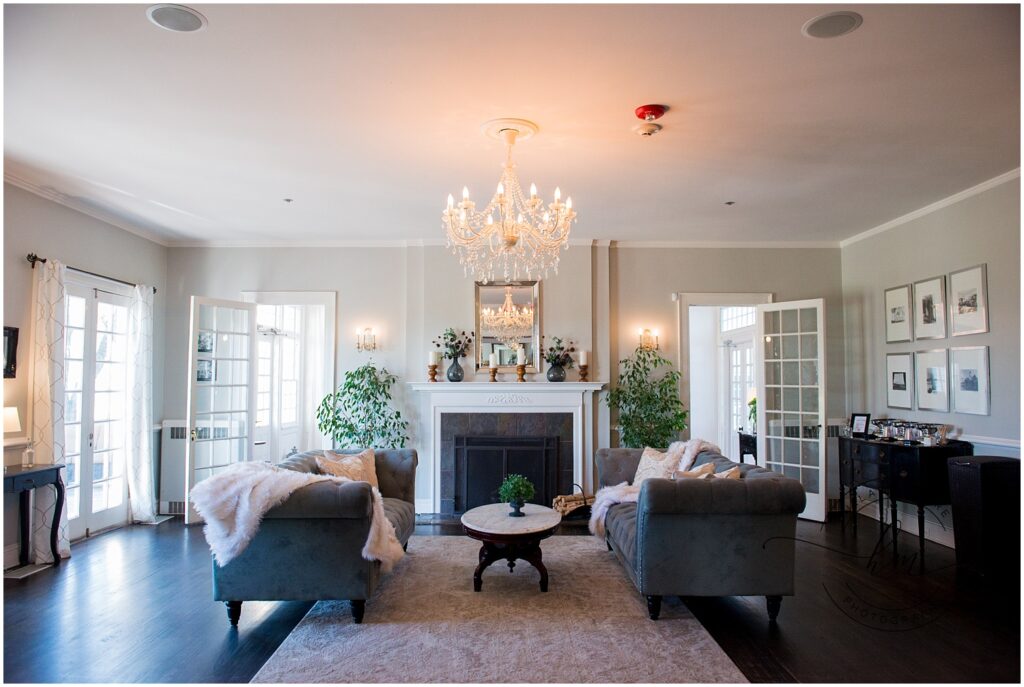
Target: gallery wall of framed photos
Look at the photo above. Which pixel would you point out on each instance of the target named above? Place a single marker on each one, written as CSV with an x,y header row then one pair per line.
x,y
940,379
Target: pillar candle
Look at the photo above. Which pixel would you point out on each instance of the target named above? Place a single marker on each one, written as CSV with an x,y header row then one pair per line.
x,y
434,358
521,356
583,357
494,359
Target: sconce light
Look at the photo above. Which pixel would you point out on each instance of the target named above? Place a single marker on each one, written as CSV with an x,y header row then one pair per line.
x,y
366,340
648,339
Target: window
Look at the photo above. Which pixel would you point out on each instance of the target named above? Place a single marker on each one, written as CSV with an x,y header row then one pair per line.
x,y
737,318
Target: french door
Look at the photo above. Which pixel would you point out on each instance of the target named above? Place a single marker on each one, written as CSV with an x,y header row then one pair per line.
x,y
221,389
95,408
791,393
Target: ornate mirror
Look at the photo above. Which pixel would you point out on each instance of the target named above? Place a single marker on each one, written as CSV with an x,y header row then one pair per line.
x,y
507,316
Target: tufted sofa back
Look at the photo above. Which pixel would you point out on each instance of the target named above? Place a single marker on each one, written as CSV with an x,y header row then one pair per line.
x,y
396,469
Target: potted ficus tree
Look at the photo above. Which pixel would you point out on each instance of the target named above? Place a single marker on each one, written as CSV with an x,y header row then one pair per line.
x,y
516,490
647,399
360,412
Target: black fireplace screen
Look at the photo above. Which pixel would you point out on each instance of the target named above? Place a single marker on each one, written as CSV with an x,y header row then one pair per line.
x,y
481,463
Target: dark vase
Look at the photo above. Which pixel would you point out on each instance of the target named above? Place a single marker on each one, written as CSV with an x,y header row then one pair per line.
x,y
556,373
517,508
455,371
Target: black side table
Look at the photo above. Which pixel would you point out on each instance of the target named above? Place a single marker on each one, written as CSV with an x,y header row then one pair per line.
x,y
22,479
748,445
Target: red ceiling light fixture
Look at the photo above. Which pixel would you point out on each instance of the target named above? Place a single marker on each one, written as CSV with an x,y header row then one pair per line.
x,y
649,113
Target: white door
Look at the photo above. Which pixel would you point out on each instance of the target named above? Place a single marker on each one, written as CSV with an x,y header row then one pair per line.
x,y
95,406
791,396
221,389
279,381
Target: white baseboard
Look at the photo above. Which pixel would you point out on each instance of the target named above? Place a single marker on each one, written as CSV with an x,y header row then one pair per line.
x,y
11,555
424,506
933,531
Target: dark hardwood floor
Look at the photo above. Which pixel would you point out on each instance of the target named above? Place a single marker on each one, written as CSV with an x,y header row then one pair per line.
x,y
134,605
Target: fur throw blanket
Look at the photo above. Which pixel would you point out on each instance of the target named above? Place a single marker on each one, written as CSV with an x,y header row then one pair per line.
x,y
607,497
234,502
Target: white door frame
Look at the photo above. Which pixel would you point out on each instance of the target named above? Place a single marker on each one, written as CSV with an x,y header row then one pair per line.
x,y
683,302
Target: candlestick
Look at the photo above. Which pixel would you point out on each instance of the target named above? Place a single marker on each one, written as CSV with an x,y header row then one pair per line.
x,y
432,371
520,373
583,358
520,356
493,360
494,374
434,358
583,373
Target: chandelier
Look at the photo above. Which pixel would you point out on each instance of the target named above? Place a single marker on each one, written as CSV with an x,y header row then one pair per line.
x,y
508,324
512,236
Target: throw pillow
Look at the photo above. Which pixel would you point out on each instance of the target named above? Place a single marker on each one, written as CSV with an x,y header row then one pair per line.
x,y
359,467
655,464
731,473
703,471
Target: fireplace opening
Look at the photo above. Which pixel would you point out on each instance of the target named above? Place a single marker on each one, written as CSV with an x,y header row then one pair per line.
x,y
483,462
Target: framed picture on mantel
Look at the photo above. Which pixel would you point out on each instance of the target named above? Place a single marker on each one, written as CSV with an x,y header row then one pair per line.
x,y
898,315
930,308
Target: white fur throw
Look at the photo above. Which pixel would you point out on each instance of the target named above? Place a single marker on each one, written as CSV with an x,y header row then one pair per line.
x,y
234,502
607,497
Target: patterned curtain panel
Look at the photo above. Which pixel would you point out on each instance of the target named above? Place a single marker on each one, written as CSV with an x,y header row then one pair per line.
x,y
141,496
48,402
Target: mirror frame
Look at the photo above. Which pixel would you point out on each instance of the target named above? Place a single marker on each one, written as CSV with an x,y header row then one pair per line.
x,y
532,366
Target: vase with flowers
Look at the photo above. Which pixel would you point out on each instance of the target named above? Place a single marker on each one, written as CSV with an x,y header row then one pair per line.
x,y
559,357
454,345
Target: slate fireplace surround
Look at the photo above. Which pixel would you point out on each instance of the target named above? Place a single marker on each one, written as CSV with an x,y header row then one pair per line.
x,y
478,449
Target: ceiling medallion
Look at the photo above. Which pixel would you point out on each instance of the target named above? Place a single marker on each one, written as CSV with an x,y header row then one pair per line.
x,y
508,324
513,236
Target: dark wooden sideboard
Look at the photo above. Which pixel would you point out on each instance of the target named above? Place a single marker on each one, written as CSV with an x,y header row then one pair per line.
x,y
914,474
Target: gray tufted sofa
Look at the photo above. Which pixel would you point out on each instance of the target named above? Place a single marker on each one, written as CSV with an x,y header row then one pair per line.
x,y
310,547
704,537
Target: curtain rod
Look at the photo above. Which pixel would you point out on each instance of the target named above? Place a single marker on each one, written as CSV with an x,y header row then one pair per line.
x,y
33,259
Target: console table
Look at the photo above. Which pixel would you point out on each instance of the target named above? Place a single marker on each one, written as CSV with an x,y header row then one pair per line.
x,y
21,480
748,445
914,474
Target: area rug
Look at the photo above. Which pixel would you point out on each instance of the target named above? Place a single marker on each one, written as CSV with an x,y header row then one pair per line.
x,y
426,624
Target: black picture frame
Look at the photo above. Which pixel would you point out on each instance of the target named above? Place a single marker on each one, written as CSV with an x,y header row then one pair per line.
x,y
860,420
10,352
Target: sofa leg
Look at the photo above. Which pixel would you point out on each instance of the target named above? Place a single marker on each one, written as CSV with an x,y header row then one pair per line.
x,y
358,609
654,607
405,547
774,604
608,544
234,611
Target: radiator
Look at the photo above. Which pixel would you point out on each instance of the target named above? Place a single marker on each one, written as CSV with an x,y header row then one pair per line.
x,y
173,438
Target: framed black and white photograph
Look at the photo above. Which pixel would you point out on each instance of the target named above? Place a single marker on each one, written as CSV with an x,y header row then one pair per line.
x,y
205,344
204,370
931,377
970,380
898,319
930,308
899,377
968,301
859,423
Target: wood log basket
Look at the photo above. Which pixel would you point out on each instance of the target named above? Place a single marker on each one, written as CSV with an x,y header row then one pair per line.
x,y
573,506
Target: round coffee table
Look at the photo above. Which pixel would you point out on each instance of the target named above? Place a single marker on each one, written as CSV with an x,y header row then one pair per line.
x,y
509,538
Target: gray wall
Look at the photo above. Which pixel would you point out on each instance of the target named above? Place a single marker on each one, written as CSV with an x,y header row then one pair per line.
x,y
36,225
983,228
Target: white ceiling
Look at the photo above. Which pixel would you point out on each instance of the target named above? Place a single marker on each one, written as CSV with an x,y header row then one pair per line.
x,y
368,116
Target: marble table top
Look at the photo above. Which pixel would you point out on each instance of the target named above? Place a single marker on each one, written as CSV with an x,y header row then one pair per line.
x,y
494,519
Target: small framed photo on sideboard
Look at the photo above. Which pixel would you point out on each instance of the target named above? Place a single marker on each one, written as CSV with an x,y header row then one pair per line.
x,y
859,423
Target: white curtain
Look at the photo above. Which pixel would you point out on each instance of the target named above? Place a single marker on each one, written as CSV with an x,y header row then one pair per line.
x,y
141,496
47,431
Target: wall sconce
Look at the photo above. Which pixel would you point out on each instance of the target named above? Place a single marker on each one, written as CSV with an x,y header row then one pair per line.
x,y
366,340
648,339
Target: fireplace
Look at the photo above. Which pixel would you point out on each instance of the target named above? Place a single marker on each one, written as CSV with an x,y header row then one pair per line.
x,y
482,463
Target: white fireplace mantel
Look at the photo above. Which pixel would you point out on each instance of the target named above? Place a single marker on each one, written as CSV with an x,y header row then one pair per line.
x,y
509,397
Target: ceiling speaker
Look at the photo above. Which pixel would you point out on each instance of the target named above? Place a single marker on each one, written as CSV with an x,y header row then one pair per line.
x,y
176,18
832,24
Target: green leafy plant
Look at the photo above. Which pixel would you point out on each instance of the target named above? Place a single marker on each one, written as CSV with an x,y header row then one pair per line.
x,y
515,488
752,415
359,414
454,345
560,353
650,411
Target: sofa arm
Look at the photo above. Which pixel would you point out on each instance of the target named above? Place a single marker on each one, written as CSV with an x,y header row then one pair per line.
x,y
347,500
779,496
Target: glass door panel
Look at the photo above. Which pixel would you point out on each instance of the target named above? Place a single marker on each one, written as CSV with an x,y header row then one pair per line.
x,y
221,388
791,387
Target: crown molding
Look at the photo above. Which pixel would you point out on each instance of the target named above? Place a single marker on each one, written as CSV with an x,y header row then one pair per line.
x,y
51,194
725,244
937,205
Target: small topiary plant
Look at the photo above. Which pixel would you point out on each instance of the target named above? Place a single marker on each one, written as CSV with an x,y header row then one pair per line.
x,y
516,488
